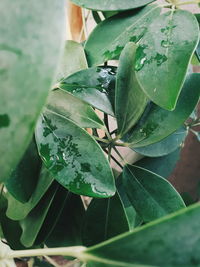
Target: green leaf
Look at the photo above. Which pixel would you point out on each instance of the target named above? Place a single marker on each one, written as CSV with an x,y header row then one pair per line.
x,y
70,107
150,194
110,36
172,241
24,178
165,146
67,231
95,86
106,215
158,123
111,5
164,54
73,59
130,101
162,166
17,210
33,222
73,157
28,64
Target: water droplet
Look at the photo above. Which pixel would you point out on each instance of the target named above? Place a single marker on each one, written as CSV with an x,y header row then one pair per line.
x,y
141,58
166,43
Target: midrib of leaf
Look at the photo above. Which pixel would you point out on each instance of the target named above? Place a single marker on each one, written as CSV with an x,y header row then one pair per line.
x,y
107,219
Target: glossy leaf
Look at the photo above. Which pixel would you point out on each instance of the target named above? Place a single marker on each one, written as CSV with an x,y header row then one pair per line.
x,y
166,50
112,5
162,243
73,59
165,146
17,210
106,215
157,123
95,86
66,151
67,231
150,194
24,178
162,166
130,101
110,36
28,64
70,107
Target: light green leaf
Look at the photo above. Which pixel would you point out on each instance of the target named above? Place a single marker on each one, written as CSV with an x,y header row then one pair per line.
x,y
73,157
158,123
106,215
150,194
70,107
164,54
172,241
110,36
130,100
95,86
27,67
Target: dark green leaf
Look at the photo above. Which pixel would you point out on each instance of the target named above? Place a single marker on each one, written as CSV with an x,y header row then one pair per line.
x,y
108,14
162,166
106,215
150,194
165,146
110,36
95,86
67,105
130,101
28,64
73,157
172,241
158,123
24,178
17,210
164,54
73,59
111,5
67,231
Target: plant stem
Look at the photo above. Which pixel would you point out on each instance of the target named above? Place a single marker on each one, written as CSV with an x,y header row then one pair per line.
x,y
101,140
118,153
108,134
188,3
63,251
121,144
114,159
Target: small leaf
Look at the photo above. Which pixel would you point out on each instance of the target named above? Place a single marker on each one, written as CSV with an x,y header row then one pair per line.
x,y
165,146
164,54
157,123
95,86
162,166
106,215
110,36
111,5
130,101
67,105
73,157
162,243
28,64
150,194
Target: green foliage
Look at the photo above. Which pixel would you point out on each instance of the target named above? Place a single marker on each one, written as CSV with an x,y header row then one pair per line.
x,y
143,99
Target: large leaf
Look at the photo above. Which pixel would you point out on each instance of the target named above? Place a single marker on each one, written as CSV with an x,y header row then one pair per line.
x,y
110,36
165,146
164,55
73,157
24,178
95,86
162,166
111,5
17,210
27,67
73,59
67,105
172,241
158,123
106,215
130,101
150,194
67,231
